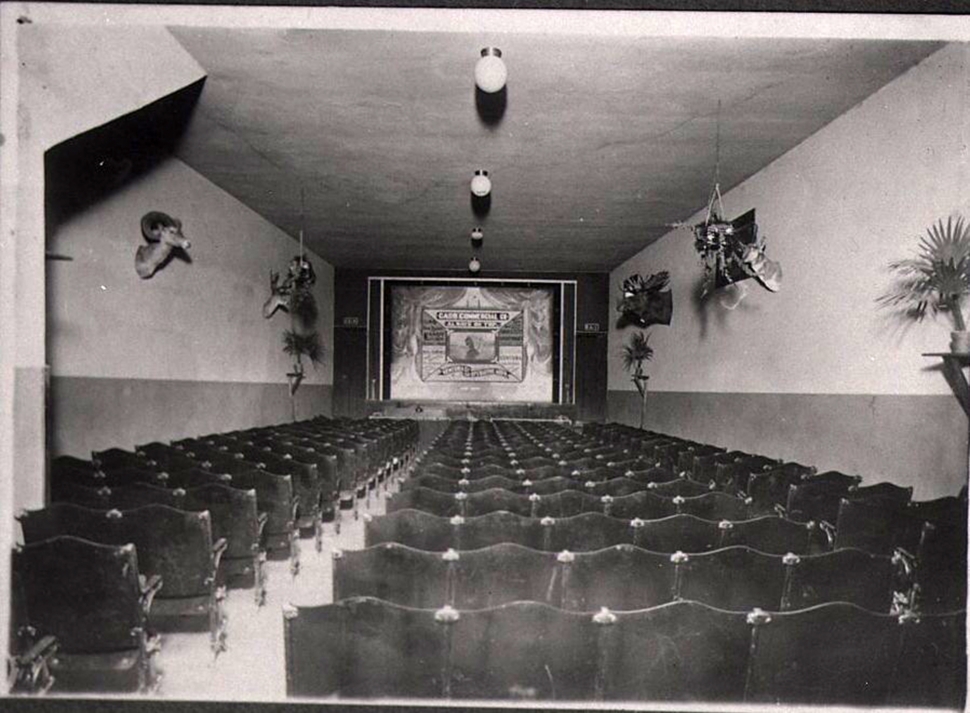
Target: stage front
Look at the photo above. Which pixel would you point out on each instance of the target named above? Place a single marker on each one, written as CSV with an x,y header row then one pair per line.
x,y
422,410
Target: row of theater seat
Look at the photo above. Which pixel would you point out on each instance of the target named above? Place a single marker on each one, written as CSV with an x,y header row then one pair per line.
x,y
590,531
622,577
684,651
644,504
451,580
148,540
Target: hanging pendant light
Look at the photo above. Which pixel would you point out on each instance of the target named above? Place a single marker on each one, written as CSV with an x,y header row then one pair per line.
x,y
490,71
474,265
481,185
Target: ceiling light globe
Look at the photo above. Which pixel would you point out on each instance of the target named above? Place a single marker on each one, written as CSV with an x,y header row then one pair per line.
x,y
474,265
490,71
481,185
477,235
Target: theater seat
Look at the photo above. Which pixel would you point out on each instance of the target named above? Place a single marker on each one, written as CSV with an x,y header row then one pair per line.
x,y
830,654
94,600
173,544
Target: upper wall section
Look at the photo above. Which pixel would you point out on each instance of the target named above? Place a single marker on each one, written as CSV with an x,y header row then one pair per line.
x,y
192,321
73,80
834,211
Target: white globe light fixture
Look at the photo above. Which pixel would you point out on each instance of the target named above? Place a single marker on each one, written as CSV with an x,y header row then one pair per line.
x,y
474,265
490,71
477,235
481,185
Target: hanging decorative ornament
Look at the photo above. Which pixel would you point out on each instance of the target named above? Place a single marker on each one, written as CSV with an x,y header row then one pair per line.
x,y
474,265
481,185
477,236
731,250
490,71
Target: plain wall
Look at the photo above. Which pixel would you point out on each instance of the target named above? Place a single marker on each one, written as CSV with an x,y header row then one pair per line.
x,y
58,82
188,350
834,211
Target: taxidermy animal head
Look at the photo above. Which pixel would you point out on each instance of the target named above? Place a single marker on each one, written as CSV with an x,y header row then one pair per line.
x,y
753,263
164,235
765,271
279,295
292,293
645,301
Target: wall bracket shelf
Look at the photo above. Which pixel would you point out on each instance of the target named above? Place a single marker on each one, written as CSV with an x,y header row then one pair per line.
x,y
953,365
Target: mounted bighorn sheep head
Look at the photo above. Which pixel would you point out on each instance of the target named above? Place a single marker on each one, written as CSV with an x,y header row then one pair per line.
x,y
164,235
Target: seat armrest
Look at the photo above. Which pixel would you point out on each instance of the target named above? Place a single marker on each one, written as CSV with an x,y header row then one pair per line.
x,y
218,549
31,669
261,520
296,506
44,647
905,564
829,530
149,588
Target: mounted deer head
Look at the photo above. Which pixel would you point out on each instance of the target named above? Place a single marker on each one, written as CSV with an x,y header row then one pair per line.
x,y
279,297
164,235
767,272
286,294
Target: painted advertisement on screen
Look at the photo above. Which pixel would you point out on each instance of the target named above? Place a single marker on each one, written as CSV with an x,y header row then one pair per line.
x,y
472,343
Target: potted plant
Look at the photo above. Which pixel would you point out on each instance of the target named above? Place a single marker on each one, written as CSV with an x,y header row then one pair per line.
x,y
635,352
937,279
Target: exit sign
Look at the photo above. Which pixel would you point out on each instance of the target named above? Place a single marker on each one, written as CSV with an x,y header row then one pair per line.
x,y
351,321
591,327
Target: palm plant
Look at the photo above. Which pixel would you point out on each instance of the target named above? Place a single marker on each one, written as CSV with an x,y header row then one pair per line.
x,y
637,351
938,278
300,345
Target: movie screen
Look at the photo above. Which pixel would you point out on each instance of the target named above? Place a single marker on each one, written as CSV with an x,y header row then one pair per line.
x,y
472,343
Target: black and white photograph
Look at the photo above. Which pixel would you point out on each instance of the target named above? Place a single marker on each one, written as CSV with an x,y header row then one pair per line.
x,y
469,356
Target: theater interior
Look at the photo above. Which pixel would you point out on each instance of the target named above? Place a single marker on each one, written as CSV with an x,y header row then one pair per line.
x,y
439,356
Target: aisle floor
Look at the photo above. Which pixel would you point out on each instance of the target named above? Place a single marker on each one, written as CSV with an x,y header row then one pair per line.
x,y
253,666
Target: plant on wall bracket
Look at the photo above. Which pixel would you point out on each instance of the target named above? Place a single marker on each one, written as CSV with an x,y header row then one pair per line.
x,y
634,353
294,294
937,279
302,340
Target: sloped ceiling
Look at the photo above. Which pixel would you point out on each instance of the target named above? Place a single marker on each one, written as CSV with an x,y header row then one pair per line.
x,y
602,140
